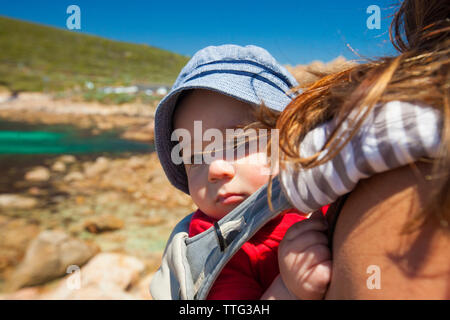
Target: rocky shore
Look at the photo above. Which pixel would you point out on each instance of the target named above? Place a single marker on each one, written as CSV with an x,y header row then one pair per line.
x,y
135,121
84,227
123,206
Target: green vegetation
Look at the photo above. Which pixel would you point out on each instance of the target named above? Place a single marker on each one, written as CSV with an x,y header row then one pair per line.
x,y
34,57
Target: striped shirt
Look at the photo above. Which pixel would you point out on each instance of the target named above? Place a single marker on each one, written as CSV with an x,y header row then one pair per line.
x,y
393,135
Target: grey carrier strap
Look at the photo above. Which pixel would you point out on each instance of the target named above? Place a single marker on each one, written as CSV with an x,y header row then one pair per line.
x,y
191,265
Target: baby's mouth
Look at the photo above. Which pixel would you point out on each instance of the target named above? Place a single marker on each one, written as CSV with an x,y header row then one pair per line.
x,y
231,198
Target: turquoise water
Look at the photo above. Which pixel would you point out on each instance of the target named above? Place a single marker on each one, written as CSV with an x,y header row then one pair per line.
x,y
24,139
24,146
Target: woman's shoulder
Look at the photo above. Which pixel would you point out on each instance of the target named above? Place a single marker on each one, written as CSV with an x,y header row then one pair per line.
x,y
373,256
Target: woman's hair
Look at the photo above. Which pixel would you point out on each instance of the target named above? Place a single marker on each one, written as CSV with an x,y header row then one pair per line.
x,y
419,74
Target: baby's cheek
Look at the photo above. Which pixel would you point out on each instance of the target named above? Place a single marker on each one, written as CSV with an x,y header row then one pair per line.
x,y
257,177
197,188
255,173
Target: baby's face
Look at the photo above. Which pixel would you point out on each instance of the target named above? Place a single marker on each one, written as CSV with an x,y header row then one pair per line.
x,y
218,186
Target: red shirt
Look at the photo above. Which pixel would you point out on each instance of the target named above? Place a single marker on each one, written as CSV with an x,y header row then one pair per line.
x,y
249,273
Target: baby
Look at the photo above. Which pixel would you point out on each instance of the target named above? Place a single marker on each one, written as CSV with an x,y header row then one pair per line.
x,y
218,91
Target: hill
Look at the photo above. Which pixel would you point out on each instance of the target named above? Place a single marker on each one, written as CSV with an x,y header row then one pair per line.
x,y
35,57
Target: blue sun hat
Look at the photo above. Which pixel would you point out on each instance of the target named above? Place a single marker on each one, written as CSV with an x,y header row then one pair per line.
x,y
249,74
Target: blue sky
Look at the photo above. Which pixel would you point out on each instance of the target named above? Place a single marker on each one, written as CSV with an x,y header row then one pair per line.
x,y
295,32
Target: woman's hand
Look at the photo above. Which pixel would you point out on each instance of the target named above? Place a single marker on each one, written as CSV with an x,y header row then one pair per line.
x,y
305,258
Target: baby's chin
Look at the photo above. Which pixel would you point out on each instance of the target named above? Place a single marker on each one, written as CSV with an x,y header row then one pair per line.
x,y
220,211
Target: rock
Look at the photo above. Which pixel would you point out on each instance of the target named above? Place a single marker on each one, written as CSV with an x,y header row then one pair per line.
x,y
104,125
103,223
35,191
4,220
136,162
106,276
152,221
108,198
67,159
79,200
59,166
306,74
48,256
15,236
98,167
38,174
142,289
23,294
74,176
17,201
89,293
138,135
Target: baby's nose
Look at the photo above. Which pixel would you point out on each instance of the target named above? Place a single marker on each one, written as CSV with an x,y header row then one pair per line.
x,y
220,169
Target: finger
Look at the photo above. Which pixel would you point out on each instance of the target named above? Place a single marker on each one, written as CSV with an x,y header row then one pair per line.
x,y
315,282
315,255
306,240
299,263
303,226
307,272
317,215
